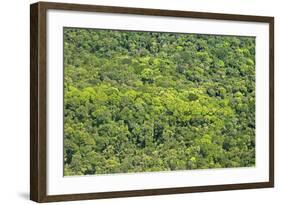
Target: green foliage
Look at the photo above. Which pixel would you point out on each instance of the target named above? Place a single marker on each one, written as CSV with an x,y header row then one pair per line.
x,y
147,101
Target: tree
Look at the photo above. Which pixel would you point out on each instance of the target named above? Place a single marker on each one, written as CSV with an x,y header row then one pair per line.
x,y
151,101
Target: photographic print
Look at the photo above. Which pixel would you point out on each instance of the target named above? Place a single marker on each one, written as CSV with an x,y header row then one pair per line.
x,y
139,101
128,102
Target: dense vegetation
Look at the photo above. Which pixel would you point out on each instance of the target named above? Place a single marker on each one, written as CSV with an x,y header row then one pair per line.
x,y
147,101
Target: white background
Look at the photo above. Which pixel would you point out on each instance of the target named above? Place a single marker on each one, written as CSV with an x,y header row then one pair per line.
x,y
14,103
